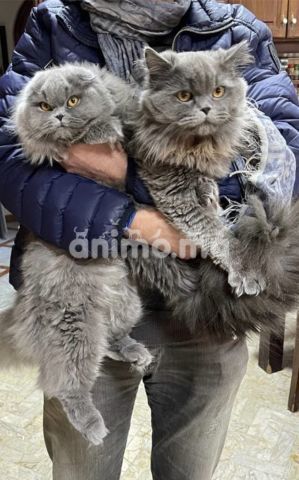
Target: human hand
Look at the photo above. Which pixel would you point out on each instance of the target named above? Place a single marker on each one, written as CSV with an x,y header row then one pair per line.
x,y
102,162
151,227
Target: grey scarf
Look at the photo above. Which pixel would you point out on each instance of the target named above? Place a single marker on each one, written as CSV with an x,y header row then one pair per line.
x,y
125,26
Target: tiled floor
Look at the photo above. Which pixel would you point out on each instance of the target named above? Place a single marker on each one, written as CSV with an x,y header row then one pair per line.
x,y
5,249
262,443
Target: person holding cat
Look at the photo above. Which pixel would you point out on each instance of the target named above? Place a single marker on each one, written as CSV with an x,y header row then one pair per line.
x,y
193,382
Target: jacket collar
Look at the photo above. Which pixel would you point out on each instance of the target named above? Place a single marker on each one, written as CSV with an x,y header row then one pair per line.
x,y
203,17
206,14
76,21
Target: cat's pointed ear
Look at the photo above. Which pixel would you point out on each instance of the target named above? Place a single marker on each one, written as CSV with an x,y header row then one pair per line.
x,y
156,63
237,56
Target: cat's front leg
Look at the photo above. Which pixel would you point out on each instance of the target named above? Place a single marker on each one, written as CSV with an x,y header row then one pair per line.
x,y
207,193
104,133
242,279
127,311
44,152
204,228
190,202
225,250
127,349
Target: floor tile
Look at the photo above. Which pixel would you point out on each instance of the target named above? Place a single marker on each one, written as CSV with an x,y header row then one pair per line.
x,y
6,293
5,253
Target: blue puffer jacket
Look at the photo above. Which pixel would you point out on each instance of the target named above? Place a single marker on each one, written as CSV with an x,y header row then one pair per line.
x,y
50,202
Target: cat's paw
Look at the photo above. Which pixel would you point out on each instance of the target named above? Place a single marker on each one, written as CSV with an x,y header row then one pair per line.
x,y
246,283
94,430
208,193
138,355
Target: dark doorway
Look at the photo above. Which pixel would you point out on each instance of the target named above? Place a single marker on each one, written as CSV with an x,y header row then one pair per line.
x,y
22,17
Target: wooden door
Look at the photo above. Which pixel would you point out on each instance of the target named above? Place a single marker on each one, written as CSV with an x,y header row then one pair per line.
x,y
273,12
293,25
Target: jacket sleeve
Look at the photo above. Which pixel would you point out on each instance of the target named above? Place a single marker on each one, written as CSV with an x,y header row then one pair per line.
x,y
277,98
48,201
270,88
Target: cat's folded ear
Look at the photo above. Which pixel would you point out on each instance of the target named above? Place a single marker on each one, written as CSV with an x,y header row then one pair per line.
x,y
158,66
85,76
236,57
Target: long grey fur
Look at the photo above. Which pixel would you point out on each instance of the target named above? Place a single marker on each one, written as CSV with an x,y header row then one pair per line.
x,y
69,314
180,161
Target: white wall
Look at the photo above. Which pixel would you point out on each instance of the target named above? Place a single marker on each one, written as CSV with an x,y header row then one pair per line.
x,y
8,12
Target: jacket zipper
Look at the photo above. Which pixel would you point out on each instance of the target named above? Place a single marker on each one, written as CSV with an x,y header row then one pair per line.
x,y
49,64
230,23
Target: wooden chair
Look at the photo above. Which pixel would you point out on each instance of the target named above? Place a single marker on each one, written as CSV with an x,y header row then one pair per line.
x,y
271,360
271,352
294,391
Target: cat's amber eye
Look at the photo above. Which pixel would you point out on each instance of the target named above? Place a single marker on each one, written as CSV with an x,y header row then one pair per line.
x,y
184,96
219,92
73,101
45,107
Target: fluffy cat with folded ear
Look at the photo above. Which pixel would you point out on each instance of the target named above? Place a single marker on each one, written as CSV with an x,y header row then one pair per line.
x,y
69,314
47,122
192,122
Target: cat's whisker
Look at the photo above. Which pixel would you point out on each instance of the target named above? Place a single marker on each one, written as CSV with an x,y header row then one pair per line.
x,y
190,121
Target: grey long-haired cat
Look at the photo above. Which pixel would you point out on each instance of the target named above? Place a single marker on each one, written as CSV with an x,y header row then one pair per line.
x,y
192,121
68,312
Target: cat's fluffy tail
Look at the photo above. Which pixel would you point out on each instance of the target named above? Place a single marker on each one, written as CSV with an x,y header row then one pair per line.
x,y
270,243
9,357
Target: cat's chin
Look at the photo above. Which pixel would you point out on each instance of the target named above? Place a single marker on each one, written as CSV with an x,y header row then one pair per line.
x,y
207,130
62,135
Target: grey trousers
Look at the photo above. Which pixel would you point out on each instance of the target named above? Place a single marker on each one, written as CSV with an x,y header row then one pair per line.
x,y
190,388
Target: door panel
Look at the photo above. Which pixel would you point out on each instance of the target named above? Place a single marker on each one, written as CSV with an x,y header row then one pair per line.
x,y
273,12
293,25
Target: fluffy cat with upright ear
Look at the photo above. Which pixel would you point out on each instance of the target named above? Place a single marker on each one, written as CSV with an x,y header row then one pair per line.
x,y
69,314
192,122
